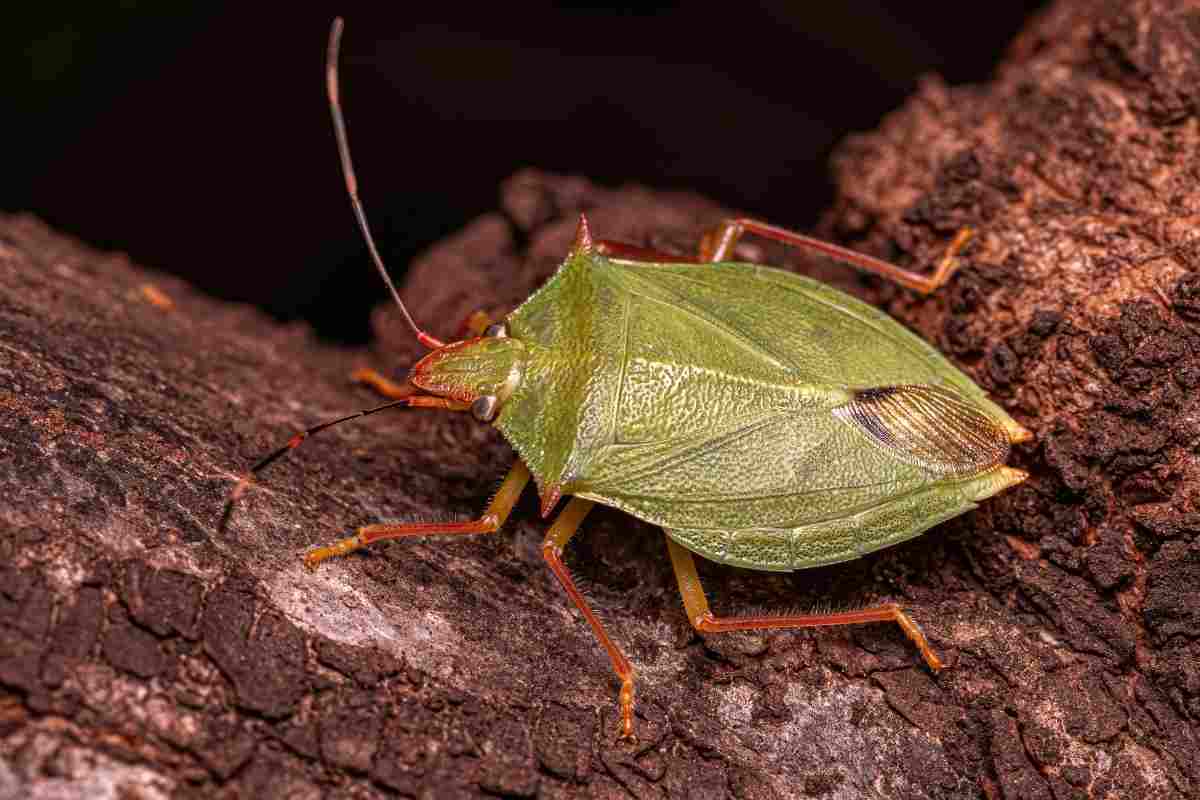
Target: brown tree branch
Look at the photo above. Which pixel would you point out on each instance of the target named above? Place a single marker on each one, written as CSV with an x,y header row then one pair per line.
x,y
142,649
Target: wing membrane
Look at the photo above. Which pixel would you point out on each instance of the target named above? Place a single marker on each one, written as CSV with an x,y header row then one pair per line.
x,y
928,426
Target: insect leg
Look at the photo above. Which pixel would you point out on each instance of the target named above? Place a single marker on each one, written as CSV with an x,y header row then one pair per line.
x,y
381,383
630,252
475,324
560,532
491,520
718,245
702,618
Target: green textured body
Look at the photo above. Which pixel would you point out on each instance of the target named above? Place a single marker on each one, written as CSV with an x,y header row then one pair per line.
x,y
761,418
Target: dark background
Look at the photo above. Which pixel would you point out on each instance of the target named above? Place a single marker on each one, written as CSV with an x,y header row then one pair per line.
x,y
195,136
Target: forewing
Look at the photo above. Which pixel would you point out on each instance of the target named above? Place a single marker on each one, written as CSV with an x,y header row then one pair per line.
x,y
776,471
814,333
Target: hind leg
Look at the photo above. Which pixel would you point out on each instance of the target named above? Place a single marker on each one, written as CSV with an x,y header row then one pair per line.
x,y
702,618
719,243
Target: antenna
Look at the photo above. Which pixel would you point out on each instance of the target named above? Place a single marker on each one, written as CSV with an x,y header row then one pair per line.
x,y
413,401
339,129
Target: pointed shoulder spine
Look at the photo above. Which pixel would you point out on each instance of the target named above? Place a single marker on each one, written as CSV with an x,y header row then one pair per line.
x,y
583,237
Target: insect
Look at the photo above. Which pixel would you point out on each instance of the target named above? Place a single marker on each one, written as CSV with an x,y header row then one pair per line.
x,y
762,419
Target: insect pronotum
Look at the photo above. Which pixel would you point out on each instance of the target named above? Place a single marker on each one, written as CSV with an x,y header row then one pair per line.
x,y
761,418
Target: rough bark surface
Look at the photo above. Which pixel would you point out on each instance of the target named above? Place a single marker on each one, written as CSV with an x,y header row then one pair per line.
x,y
145,652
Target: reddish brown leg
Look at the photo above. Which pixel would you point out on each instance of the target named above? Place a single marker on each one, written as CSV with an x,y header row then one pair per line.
x,y
631,252
703,620
491,520
560,532
718,246
628,252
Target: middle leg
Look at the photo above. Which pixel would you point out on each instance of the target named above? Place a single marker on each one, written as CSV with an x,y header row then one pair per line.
x,y
564,527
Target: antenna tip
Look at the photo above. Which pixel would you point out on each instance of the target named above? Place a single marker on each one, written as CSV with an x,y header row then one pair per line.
x,y
583,237
335,37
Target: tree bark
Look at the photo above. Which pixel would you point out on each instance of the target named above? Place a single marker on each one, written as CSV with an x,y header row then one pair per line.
x,y
146,650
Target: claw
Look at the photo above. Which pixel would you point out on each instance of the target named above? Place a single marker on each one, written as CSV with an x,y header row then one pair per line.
x,y
339,548
626,733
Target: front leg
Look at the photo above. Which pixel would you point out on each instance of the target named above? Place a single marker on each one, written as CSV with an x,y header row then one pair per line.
x,y
474,325
489,522
381,383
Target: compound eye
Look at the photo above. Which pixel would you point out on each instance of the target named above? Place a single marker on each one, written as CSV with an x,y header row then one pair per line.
x,y
498,330
485,407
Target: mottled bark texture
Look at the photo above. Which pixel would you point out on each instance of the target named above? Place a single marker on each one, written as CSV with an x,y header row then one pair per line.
x,y
145,652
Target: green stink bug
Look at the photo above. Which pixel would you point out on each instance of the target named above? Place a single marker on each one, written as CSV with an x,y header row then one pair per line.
x,y
761,418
